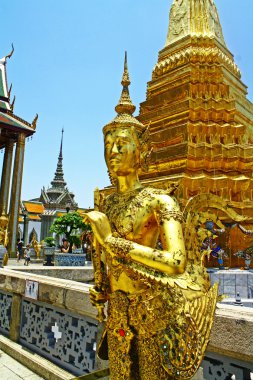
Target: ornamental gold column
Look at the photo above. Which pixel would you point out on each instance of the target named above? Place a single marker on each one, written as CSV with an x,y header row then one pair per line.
x,y
16,193
6,178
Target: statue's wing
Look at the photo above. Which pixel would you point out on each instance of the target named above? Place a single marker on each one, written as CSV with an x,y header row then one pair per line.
x,y
151,277
198,210
184,340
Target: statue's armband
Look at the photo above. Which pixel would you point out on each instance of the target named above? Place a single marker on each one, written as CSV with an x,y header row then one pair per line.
x,y
119,247
166,214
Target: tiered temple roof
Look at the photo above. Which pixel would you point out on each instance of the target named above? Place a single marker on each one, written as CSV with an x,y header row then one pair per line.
x,y
13,133
34,209
10,123
58,196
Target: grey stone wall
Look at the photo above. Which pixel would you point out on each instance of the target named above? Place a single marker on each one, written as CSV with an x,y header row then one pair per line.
x,y
232,282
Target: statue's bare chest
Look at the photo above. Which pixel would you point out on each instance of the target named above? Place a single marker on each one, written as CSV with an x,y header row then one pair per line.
x,y
128,213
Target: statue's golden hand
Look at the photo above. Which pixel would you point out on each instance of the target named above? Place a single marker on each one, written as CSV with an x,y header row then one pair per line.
x,y
100,225
97,297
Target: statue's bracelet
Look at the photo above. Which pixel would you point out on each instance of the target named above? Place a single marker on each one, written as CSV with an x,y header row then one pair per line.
x,y
119,246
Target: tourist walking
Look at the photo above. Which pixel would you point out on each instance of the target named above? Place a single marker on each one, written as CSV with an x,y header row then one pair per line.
x,y
27,255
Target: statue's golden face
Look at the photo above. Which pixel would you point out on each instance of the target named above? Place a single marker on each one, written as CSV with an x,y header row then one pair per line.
x,y
121,151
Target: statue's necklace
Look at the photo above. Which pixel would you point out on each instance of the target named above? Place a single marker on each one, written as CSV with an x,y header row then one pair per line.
x,y
121,210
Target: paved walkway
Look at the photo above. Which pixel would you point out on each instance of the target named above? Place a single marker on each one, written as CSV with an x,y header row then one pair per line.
x,y
14,263
10,369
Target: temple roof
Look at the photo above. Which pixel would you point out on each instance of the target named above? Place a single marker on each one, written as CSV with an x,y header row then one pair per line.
x,y
8,120
34,207
194,18
14,121
58,195
33,210
4,92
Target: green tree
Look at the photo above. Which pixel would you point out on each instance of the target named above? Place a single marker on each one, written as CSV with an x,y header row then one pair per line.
x,y
68,224
49,240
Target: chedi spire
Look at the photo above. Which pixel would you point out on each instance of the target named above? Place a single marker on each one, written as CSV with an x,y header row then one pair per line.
x,y
194,18
58,181
125,104
125,108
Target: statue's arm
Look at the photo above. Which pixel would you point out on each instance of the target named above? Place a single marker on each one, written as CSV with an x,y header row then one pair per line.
x,y
171,260
168,261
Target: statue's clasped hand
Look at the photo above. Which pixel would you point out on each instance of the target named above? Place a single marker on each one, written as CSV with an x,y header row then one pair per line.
x,y
100,226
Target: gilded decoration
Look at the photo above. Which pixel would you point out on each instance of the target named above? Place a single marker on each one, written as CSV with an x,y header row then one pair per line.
x,y
192,17
36,246
199,117
149,263
4,235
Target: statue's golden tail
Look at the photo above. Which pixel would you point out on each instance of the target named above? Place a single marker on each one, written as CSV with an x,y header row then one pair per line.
x,y
184,341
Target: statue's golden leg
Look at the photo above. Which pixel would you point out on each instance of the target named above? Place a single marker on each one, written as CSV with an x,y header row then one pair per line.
x,y
141,363
120,336
149,363
119,359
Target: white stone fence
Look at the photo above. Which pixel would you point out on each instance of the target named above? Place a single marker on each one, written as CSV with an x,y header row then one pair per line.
x,y
54,318
50,316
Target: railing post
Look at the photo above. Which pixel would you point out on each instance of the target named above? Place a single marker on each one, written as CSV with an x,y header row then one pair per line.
x,y
15,321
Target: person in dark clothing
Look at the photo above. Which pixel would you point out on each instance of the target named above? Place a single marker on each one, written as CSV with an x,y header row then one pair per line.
x,y
19,249
66,247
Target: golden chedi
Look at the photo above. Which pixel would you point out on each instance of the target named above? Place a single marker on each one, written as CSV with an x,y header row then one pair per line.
x,y
201,122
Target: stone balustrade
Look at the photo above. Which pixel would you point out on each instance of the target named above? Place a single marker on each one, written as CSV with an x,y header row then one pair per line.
x,y
230,351
80,274
61,326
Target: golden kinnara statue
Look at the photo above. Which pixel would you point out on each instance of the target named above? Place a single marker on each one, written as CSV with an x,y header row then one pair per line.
x,y
36,245
160,302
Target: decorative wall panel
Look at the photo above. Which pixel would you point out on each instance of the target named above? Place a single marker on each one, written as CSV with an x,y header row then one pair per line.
x,y
65,338
5,312
219,367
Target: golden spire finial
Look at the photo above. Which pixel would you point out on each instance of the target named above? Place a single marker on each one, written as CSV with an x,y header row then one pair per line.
x,y
125,108
125,77
125,104
195,19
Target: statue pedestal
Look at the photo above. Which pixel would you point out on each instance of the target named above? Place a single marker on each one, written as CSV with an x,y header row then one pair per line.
x,y
48,253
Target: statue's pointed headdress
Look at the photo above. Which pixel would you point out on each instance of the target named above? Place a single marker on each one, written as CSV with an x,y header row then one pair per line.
x,y
125,108
125,119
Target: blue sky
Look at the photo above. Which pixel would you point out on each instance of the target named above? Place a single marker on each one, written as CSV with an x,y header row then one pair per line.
x,y
67,67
